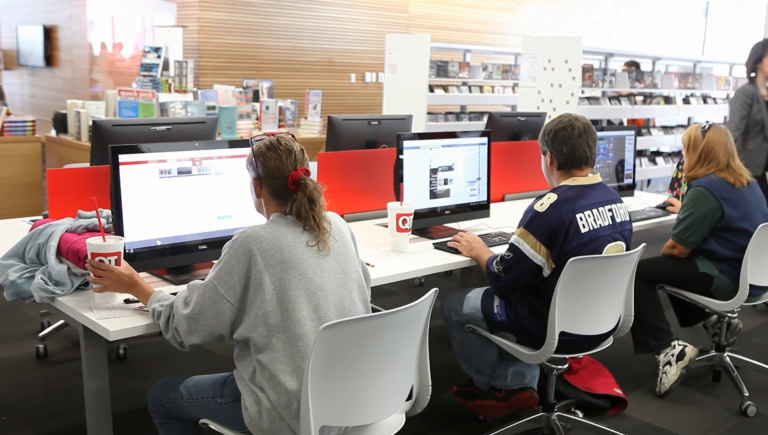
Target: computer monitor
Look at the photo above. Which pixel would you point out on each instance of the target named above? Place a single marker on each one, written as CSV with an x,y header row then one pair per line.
x,y
108,132
177,204
616,157
515,126
446,176
365,132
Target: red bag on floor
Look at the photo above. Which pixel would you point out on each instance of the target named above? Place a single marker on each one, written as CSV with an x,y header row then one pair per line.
x,y
591,385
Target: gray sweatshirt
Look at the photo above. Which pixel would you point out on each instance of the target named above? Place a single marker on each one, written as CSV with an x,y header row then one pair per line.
x,y
269,295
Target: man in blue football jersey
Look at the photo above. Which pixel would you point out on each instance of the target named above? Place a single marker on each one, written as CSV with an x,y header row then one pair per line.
x,y
581,215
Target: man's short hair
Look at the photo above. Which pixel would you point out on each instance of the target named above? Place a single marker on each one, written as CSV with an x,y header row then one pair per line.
x,y
632,64
572,141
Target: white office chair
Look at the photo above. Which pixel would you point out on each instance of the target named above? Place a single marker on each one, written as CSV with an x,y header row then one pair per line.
x,y
754,272
593,295
388,352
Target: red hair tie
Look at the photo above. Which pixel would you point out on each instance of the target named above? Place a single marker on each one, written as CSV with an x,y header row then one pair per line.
x,y
294,179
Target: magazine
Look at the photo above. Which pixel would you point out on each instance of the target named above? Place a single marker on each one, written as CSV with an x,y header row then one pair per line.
x,y
152,58
270,116
136,103
587,76
312,105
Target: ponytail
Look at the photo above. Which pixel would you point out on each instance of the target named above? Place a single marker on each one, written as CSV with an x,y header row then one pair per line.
x,y
281,167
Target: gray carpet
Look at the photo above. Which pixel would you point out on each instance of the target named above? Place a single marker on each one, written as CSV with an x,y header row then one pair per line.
x,y
44,397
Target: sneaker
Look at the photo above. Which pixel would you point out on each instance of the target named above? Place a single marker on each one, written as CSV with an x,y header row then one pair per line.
x,y
672,364
732,331
467,392
498,403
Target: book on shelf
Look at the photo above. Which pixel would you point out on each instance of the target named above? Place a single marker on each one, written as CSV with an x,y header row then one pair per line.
x,y
441,69
266,89
488,71
587,76
288,113
723,83
226,95
270,115
184,75
475,116
3,114
250,83
435,117
506,72
227,123
136,103
173,109
163,97
487,89
497,70
432,68
18,125
151,64
453,89
451,117
453,69
515,72
211,99
110,102
463,117
243,105
309,128
498,90
80,123
71,106
463,70
510,90
464,89
97,109
475,89
437,89
313,103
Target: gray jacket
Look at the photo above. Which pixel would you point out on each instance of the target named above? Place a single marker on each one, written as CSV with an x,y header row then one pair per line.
x,y
748,122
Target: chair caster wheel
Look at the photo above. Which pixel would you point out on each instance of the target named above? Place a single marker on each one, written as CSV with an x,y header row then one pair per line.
x,y
419,282
748,408
41,351
122,352
577,413
44,324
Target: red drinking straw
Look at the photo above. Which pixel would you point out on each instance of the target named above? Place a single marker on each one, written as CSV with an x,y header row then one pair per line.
x,y
98,218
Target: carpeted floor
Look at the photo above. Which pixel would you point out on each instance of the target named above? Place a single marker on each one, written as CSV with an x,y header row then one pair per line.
x,y
44,397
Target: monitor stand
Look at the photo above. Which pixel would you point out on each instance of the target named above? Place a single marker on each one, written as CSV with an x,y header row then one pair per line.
x,y
436,232
184,274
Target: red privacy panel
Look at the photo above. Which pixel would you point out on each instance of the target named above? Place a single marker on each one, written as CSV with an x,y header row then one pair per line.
x,y
73,189
516,168
357,181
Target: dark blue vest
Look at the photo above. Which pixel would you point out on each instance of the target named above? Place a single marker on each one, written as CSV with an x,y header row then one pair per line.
x,y
745,209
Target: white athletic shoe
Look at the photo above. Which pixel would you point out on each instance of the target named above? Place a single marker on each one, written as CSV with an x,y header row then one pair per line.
x,y
672,364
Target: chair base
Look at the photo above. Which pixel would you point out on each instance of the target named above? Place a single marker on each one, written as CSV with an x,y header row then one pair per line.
x,y
720,360
553,421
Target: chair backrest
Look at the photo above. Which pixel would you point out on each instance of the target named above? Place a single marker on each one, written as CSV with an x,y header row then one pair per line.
x,y
754,269
592,294
362,369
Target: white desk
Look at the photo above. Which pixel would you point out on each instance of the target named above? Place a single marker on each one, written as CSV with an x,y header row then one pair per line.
x,y
373,241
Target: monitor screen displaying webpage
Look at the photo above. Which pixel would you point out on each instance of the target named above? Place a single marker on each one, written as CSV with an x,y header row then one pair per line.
x,y
185,196
616,157
445,173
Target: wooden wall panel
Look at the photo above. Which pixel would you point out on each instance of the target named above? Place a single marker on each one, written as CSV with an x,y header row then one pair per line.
x,y
41,91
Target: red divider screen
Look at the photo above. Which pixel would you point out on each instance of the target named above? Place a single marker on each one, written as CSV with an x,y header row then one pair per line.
x,y
516,168
73,189
357,181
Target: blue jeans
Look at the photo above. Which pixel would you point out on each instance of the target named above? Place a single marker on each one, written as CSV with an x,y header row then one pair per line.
x,y
480,358
177,404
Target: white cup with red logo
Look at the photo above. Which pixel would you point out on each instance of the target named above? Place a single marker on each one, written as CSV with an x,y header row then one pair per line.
x,y
110,252
400,216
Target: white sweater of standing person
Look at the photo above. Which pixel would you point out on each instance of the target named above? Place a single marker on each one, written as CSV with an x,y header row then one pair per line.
x,y
269,294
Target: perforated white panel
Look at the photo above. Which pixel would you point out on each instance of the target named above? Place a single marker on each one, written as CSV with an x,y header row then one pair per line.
x,y
550,75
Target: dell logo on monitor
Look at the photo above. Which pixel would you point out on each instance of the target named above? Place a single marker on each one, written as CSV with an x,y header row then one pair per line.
x,y
161,128
201,247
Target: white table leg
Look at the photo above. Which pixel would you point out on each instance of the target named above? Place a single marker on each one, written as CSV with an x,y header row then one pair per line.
x,y
98,402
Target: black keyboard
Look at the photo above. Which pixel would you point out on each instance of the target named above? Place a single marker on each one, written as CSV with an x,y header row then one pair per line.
x,y
647,213
491,239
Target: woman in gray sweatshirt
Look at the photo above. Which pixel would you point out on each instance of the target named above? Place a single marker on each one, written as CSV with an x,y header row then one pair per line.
x,y
273,288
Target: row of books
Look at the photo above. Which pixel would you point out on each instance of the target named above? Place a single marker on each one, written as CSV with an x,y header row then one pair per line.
x,y
15,125
662,131
592,77
474,89
640,100
655,161
457,117
451,69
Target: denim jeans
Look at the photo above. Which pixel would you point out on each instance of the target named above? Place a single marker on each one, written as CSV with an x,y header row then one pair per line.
x,y
484,362
177,404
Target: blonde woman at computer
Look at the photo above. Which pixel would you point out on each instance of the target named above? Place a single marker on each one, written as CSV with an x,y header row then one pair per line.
x,y
273,288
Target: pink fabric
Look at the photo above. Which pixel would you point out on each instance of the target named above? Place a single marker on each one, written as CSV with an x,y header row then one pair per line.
x,y
71,245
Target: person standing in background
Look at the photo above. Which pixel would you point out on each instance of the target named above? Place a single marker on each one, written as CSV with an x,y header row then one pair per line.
x,y
748,116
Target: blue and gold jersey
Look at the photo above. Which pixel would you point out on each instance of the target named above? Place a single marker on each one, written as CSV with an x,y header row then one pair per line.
x,y
582,216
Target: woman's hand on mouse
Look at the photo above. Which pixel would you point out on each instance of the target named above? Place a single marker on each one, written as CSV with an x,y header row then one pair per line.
x,y
674,205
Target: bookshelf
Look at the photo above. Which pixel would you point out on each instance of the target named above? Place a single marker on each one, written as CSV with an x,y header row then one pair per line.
x,y
21,176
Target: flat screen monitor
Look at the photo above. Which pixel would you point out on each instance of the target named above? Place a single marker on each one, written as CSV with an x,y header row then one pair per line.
x,y
446,176
108,132
365,132
32,47
177,204
616,157
515,126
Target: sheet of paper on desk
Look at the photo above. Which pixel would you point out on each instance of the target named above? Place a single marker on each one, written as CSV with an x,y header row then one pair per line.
x,y
115,311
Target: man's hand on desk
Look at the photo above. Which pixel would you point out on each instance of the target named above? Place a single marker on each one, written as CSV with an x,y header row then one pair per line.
x,y
122,279
472,246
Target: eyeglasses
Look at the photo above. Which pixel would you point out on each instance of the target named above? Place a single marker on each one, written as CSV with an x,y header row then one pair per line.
x,y
704,129
260,138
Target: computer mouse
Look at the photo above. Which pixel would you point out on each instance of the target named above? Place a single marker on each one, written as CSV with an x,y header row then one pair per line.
x,y
663,205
